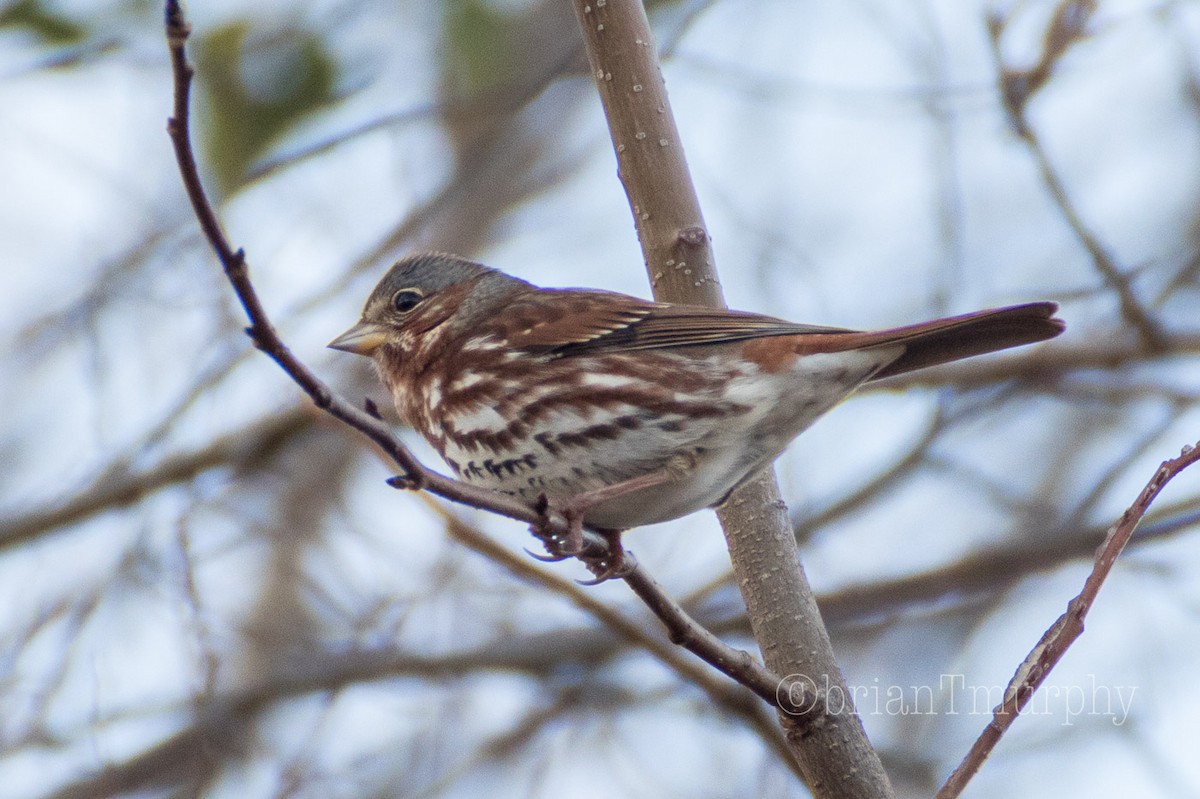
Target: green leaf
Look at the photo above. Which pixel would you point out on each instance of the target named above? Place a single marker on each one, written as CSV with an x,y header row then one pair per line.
x,y
48,26
258,85
482,46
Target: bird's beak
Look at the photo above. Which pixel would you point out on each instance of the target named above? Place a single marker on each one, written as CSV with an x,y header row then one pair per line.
x,y
362,339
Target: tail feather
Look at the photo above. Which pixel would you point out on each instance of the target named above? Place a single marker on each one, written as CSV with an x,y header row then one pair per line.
x,y
956,337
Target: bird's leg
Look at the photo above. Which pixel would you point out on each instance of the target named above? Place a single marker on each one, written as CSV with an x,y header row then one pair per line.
x,y
615,562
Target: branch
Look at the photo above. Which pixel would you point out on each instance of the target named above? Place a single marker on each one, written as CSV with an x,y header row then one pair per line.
x,y
1055,641
251,442
721,693
1017,87
414,475
983,574
835,755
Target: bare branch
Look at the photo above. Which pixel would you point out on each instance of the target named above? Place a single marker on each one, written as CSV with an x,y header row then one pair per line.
x,y
1017,87
836,756
1055,641
255,441
721,693
985,572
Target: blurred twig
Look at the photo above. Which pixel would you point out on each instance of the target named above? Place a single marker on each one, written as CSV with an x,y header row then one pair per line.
x,y
1067,27
988,571
255,441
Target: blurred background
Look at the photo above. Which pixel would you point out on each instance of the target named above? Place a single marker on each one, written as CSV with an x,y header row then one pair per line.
x,y
206,588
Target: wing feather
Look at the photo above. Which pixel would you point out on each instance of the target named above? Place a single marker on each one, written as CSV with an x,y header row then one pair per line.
x,y
574,321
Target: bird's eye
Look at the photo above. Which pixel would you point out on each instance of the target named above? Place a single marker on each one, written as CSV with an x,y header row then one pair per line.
x,y
405,300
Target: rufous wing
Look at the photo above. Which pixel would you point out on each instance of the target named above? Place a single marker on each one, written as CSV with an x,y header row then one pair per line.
x,y
574,322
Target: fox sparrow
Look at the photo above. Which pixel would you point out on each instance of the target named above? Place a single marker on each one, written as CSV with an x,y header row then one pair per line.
x,y
618,411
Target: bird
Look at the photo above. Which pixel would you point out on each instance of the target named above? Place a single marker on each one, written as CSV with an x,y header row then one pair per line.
x,y
618,411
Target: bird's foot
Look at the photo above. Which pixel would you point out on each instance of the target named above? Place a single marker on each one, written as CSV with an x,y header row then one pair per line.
x,y
607,560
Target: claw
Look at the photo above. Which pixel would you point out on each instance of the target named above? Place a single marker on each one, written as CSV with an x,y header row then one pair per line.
x,y
545,558
615,563
619,570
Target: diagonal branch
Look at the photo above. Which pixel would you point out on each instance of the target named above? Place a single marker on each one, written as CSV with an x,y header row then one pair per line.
x,y
721,693
1055,641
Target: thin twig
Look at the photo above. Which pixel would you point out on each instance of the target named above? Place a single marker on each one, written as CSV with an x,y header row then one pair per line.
x,y
1068,26
986,572
267,339
253,441
875,486
1069,626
